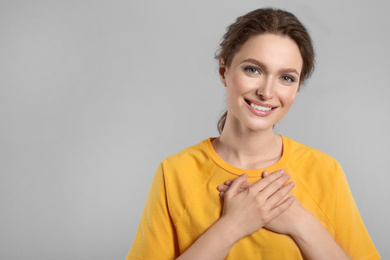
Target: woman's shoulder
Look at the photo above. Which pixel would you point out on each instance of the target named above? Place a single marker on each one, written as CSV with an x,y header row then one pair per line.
x,y
317,171
188,169
191,160
189,154
302,154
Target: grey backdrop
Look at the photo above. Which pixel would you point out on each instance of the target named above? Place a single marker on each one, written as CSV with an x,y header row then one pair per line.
x,y
94,94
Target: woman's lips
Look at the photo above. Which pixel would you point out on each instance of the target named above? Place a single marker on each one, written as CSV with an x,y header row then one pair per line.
x,y
258,103
260,109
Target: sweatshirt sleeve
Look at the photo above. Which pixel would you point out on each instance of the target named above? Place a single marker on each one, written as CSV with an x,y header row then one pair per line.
x,y
350,231
156,235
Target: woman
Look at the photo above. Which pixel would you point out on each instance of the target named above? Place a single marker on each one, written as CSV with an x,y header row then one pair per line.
x,y
281,199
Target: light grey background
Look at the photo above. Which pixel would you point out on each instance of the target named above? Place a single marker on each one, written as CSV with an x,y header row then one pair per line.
x,y
94,94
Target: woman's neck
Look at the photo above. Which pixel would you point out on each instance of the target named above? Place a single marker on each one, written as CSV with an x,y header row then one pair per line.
x,y
248,149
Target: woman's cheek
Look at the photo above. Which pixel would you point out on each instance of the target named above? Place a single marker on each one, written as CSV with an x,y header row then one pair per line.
x,y
243,84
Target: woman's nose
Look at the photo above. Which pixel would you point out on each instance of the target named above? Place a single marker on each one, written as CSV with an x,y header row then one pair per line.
x,y
266,90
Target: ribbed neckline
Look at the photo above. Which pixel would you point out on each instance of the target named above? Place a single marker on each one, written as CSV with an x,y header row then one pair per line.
x,y
251,173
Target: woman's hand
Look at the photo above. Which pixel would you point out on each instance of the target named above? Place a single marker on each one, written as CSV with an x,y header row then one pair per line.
x,y
287,222
311,237
251,207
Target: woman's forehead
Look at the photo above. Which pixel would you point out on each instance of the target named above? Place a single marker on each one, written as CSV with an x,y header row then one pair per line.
x,y
271,50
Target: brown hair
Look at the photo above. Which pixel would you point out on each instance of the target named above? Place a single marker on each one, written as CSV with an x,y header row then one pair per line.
x,y
262,21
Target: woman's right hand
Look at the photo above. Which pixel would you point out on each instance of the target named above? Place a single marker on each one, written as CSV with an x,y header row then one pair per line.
x,y
251,209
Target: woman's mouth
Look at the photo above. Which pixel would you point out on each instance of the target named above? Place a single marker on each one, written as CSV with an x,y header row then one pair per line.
x,y
258,109
258,106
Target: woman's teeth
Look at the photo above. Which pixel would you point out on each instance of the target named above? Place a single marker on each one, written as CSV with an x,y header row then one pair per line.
x,y
260,108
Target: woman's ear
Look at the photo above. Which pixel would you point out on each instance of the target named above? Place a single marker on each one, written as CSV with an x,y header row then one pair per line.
x,y
222,71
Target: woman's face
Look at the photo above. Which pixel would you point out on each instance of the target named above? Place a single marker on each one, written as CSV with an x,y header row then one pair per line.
x,y
262,81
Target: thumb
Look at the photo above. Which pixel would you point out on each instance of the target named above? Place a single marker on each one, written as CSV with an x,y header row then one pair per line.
x,y
236,184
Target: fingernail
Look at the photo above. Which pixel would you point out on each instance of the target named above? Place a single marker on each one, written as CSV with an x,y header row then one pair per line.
x,y
245,175
282,172
228,182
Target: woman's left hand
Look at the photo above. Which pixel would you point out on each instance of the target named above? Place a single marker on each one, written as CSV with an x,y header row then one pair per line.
x,y
286,223
311,237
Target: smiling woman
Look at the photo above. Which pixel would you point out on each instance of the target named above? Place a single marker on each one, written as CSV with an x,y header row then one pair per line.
x,y
251,193
262,81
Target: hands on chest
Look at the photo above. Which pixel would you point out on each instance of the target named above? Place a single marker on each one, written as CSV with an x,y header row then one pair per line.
x,y
267,203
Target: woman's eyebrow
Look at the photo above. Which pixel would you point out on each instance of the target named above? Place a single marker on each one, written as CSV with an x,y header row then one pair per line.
x,y
264,67
256,62
290,71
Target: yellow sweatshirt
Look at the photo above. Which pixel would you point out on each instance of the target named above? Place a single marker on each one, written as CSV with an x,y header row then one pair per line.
x,y
183,202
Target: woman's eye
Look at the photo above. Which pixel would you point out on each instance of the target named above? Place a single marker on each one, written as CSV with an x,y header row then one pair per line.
x,y
287,79
252,70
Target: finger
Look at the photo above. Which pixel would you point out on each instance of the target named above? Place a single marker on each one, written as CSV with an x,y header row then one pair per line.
x,y
233,190
260,185
222,195
289,194
244,186
281,208
265,174
280,194
222,188
274,186
283,199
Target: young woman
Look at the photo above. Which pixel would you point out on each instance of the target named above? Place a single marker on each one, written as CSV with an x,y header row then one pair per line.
x,y
280,199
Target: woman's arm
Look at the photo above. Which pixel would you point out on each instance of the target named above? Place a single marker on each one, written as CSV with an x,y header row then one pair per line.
x,y
313,239
215,243
243,213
